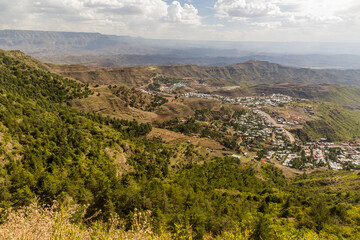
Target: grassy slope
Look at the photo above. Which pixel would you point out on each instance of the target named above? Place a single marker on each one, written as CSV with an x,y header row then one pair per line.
x,y
334,123
344,96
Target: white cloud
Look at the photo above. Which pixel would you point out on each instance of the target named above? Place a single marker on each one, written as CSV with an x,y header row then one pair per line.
x,y
270,25
269,13
236,9
273,20
148,18
103,9
187,14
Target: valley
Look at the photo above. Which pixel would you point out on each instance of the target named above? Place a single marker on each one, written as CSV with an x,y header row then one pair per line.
x,y
179,120
208,152
287,121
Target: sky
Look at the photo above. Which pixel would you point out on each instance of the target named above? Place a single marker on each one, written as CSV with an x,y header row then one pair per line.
x,y
226,20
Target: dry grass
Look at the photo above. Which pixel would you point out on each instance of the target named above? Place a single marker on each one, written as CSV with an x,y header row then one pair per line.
x,y
55,222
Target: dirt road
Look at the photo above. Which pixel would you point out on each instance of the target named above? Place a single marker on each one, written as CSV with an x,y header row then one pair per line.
x,y
288,134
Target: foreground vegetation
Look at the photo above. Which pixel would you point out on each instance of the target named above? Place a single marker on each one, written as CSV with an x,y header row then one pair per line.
x,y
51,152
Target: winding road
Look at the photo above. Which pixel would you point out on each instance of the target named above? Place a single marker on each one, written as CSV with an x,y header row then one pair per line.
x,y
288,134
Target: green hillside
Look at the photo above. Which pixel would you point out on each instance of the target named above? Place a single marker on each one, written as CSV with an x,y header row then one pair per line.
x,y
348,97
108,171
54,152
345,96
333,122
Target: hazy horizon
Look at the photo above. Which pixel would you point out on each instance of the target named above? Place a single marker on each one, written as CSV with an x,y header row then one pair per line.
x,y
218,20
176,39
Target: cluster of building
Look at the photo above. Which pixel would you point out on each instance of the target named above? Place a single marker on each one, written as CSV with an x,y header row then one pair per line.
x,y
255,126
252,127
172,88
204,96
271,100
255,101
325,154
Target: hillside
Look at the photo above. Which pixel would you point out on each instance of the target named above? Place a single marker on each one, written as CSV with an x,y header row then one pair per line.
x,y
53,152
333,123
117,178
135,104
254,72
342,95
28,60
251,71
128,103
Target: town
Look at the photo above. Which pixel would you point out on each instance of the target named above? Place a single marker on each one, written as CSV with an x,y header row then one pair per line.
x,y
270,134
277,144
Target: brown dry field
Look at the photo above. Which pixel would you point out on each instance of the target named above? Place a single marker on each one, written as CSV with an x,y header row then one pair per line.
x,y
291,113
175,137
104,102
108,104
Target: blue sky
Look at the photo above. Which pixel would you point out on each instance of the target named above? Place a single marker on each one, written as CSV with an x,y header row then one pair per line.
x,y
232,20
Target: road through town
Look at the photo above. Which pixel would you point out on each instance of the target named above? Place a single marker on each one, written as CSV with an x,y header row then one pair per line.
x,y
288,134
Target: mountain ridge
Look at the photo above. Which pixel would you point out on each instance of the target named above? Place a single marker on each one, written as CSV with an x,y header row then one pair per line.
x,y
101,50
250,71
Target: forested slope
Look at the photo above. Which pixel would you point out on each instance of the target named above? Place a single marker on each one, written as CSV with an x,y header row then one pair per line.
x,y
110,168
48,149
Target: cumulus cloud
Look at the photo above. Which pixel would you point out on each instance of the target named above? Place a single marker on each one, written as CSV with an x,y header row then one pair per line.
x,y
218,19
142,17
236,9
276,13
187,14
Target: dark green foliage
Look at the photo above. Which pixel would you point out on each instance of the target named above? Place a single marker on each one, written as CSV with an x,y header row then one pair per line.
x,y
53,152
274,175
62,152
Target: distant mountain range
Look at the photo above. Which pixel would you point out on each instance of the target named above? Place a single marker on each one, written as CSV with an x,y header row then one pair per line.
x,y
253,72
98,50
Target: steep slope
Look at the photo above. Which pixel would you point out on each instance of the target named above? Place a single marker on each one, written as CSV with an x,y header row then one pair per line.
x,y
333,123
54,152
